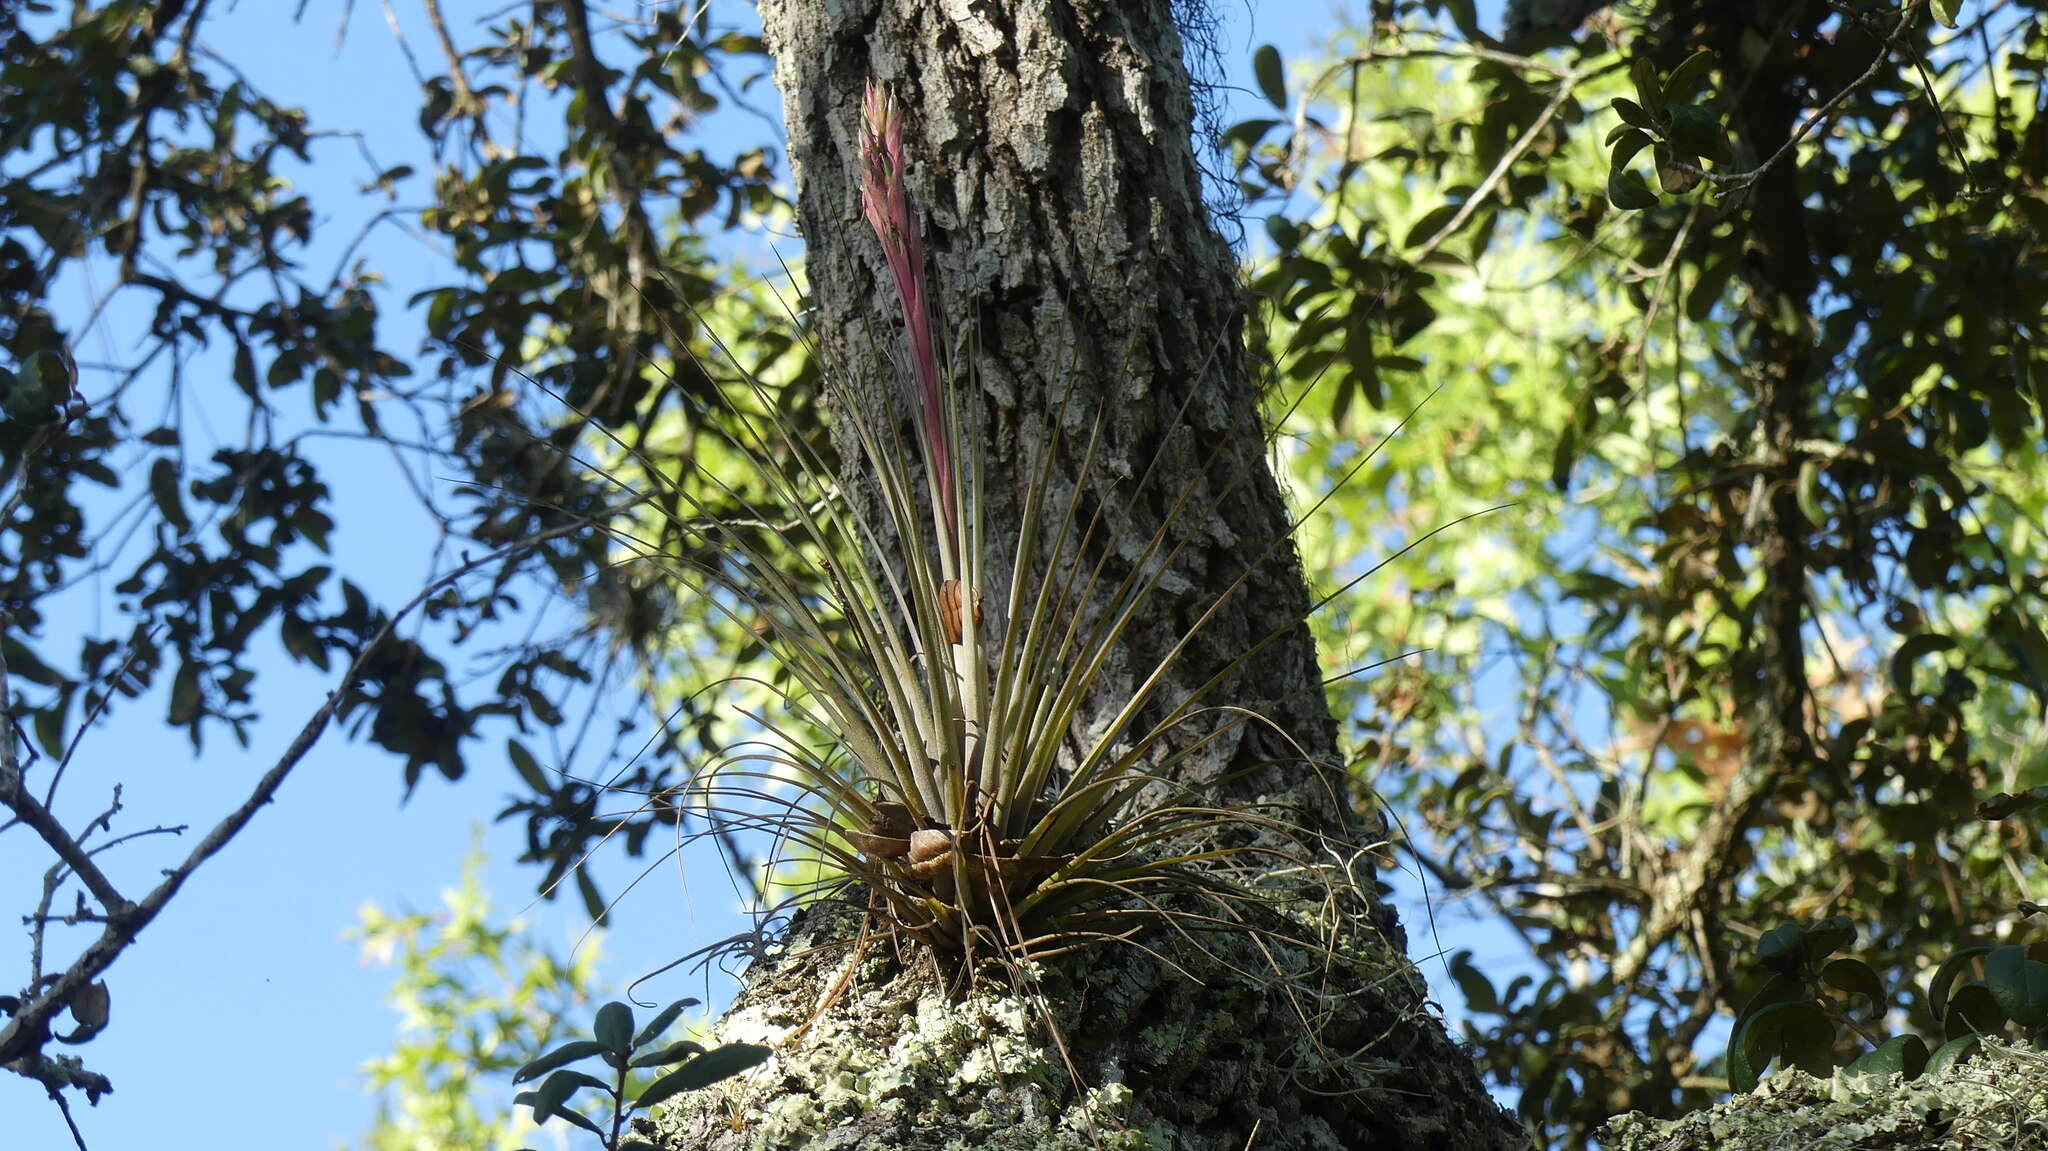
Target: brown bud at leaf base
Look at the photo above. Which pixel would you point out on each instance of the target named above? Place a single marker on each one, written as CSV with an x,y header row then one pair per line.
x,y
930,853
949,609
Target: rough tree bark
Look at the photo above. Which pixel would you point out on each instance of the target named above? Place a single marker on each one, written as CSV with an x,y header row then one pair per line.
x,y
1049,144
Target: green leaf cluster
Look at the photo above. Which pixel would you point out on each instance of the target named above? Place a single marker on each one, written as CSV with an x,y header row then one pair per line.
x,y
1799,1015
1680,135
680,1066
1758,641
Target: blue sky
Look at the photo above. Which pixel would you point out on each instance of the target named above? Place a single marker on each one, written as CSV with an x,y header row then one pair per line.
x,y
243,1016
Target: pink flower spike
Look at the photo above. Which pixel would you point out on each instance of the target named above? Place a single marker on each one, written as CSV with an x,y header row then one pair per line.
x,y
886,204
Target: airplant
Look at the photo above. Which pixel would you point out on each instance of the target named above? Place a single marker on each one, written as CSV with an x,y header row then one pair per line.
x,y
923,735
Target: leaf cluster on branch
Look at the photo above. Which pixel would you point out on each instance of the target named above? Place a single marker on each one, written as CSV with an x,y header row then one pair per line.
x,y
1766,645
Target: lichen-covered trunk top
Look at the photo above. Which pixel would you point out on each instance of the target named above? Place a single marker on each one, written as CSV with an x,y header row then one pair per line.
x,y
1074,261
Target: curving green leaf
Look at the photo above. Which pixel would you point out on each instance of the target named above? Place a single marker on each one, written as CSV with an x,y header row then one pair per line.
x,y
1857,978
615,1027
1627,142
1629,192
556,1090
1954,1053
1808,491
1649,87
1937,988
1697,131
1779,945
661,1021
1431,222
1794,1031
2019,984
706,1069
1271,75
669,1054
1902,1055
1633,115
1973,1008
1686,76
1828,936
1807,1039
1776,989
565,1054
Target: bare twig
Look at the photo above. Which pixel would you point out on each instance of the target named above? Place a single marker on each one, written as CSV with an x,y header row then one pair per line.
x,y
466,102
1686,886
64,1105
14,795
96,707
1484,191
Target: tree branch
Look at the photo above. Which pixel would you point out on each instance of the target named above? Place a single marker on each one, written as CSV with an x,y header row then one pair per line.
x,y
28,1029
14,795
1736,181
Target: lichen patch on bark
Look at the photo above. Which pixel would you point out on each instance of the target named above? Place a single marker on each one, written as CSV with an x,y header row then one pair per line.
x,y
1170,1045
1998,1100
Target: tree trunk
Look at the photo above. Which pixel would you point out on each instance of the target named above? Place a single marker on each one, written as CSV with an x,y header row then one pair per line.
x,y
1073,259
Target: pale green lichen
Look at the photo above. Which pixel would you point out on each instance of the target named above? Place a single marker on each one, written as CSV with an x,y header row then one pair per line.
x,y
1998,1100
1309,1033
979,1062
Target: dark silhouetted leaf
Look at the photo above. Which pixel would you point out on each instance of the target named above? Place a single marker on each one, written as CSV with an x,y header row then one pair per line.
x,y
1973,1008
1857,978
1698,132
1902,1055
1628,191
1271,75
1828,936
2019,984
561,1056
163,487
1649,88
1779,944
674,1052
1687,75
1627,143
1479,993
1911,651
1633,114
529,769
1937,988
661,1021
1789,1030
1954,1052
615,1027
706,1069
